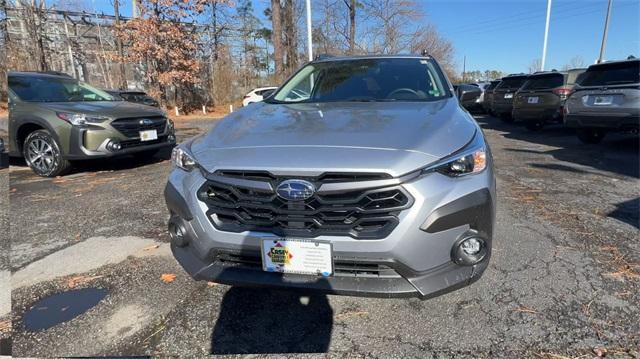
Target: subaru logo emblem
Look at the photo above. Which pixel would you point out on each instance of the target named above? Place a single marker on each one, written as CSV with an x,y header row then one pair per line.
x,y
146,121
295,190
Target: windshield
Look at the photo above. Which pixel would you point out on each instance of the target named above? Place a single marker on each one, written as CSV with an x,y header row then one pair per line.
x,y
54,89
543,82
392,79
612,74
511,83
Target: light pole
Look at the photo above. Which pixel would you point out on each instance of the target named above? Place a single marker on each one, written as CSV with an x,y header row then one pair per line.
x,y
546,36
604,34
309,40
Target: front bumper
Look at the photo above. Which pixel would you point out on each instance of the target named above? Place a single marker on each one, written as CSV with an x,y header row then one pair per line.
x,y
417,254
609,120
78,143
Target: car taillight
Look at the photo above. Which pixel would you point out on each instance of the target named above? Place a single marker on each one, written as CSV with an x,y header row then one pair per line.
x,y
563,92
246,97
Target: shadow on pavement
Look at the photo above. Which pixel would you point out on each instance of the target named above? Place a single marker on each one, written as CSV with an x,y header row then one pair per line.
x,y
618,153
123,163
263,321
628,212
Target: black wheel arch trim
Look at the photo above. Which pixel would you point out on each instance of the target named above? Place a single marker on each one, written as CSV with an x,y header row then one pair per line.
x,y
474,209
176,203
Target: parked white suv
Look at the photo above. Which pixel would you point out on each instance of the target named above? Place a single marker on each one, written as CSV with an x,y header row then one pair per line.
x,y
257,95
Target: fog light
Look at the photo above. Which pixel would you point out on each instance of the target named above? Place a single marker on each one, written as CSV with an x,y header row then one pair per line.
x,y
177,233
114,146
471,246
469,250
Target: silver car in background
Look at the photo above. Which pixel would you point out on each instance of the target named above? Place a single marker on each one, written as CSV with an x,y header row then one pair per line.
x,y
606,98
359,176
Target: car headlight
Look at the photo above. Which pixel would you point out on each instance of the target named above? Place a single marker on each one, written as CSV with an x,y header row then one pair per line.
x,y
181,159
471,159
79,119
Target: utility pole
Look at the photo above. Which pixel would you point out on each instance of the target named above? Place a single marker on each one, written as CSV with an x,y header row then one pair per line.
x,y
546,36
134,8
123,76
309,39
604,34
464,67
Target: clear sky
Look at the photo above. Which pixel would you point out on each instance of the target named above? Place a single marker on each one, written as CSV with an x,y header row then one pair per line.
x,y
507,35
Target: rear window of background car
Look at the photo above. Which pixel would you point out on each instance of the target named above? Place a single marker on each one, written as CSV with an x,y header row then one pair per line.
x,y
612,74
544,82
511,83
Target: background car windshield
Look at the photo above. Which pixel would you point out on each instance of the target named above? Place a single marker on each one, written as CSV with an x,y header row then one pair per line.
x,y
543,82
408,79
511,83
51,89
612,74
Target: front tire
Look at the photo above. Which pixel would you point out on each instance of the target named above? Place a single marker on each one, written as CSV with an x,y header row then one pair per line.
x,y
42,153
591,135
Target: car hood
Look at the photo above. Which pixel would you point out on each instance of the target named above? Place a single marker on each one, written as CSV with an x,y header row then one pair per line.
x,y
110,109
394,138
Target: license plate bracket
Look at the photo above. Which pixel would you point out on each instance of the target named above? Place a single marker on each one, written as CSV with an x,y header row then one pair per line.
x,y
148,135
297,256
602,100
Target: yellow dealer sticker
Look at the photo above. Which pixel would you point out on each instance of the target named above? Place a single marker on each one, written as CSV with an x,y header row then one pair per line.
x,y
297,256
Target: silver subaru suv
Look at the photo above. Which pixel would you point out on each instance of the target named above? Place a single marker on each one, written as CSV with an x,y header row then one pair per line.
x,y
359,176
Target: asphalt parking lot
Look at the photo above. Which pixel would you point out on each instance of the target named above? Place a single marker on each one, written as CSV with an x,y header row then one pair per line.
x,y
564,277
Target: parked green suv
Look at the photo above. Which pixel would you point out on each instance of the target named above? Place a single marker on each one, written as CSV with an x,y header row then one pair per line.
x,y
541,99
503,94
55,119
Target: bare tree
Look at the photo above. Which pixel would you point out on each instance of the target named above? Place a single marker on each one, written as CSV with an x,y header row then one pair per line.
x,y
390,24
351,5
575,63
534,66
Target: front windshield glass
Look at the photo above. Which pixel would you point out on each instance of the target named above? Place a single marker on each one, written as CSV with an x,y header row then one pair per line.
x,y
385,79
55,89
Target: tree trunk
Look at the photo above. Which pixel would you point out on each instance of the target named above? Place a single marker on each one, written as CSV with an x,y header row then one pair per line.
x,y
291,35
123,75
352,27
276,38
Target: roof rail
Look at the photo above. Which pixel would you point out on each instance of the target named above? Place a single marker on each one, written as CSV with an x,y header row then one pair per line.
x,y
323,56
425,53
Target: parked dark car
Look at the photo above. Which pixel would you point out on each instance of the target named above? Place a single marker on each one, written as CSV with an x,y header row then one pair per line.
x,y
504,93
541,98
488,96
468,95
140,97
606,98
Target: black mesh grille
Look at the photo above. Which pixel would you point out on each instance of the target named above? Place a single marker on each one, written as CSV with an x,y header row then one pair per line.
x,y
135,143
361,214
341,267
131,127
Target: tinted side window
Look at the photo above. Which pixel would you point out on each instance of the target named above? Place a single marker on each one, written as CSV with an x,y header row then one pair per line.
x,y
612,74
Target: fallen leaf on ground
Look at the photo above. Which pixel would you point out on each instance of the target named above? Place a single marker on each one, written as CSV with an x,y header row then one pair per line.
x,y
81,279
151,247
212,284
168,277
600,352
5,326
